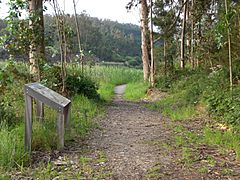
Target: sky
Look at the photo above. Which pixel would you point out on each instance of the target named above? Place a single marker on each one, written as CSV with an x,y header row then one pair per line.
x,y
104,9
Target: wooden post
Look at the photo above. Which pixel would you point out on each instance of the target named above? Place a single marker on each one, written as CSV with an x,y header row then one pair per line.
x,y
28,122
67,115
39,110
60,130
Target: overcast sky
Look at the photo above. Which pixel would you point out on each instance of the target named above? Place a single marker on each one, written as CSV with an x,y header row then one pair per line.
x,y
104,9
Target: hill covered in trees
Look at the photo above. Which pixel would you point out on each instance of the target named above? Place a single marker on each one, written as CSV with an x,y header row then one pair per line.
x,y
101,40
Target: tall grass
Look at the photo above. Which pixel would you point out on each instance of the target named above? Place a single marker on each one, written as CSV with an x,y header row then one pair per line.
x,y
110,74
229,139
136,91
12,153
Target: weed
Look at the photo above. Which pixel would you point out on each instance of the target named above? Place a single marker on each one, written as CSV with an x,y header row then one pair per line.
x,y
187,156
155,172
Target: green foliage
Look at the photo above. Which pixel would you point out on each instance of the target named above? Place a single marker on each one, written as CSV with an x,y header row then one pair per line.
x,y
189,88
16,38
82,85
12,78
52,77
225,105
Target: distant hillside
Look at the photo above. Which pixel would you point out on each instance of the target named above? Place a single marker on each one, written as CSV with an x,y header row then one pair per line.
x,y
107,40
103,40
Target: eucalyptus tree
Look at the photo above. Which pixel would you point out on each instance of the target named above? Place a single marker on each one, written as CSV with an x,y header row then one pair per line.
x,y
144,12
37,47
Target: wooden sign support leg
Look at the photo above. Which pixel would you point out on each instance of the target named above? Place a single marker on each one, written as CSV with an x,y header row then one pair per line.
x,y
67,115
60,130
28,122
39,110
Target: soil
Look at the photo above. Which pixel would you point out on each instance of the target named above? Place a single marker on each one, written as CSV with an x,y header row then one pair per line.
x,y
133,142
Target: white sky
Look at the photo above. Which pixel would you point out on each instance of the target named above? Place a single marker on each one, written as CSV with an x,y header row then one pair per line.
x,y
104,9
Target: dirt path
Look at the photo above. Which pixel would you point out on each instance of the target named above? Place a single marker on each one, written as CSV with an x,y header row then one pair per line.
x,y
126,132
135,143
141,144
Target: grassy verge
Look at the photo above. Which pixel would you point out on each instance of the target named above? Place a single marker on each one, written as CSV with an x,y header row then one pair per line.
x,y
194,95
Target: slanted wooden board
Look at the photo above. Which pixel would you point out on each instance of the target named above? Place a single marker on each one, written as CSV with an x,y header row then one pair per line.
x,y
44,95
47,96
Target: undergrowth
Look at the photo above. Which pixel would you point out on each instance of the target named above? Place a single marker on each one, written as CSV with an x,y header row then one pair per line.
x,y
87,91
191,91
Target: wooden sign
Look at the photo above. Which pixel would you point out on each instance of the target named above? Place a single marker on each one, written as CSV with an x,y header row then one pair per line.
x,y
44,95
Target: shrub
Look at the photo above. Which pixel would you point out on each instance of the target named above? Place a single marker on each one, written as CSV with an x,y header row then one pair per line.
x,y
52,77
82,85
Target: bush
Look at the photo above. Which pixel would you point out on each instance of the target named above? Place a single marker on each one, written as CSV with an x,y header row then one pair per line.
x,y
82,85
52,77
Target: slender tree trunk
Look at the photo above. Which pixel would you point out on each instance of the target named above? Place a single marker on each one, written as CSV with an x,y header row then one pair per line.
x,y
183,35
144,37
229,49
78,34
37,49
152,70
164,57
60,21
192,36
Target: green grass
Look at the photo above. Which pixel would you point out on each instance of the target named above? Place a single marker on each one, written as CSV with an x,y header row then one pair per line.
x,y
111,75
228,139
106,91
175,107
82,114
12,153
136,91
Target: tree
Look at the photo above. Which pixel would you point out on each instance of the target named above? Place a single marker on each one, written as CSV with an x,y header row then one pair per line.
x,y
145,40
229,46
152,68
183,34
78,34
37,48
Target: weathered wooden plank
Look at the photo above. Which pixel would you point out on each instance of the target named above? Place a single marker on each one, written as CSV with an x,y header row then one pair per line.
x,y
28,122
60,130
47,96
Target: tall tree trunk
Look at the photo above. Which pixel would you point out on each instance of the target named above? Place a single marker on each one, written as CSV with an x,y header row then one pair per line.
x,y
60,21
78,34
229,48
192,36
164,56
37,49
152,70
144,37
183,35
